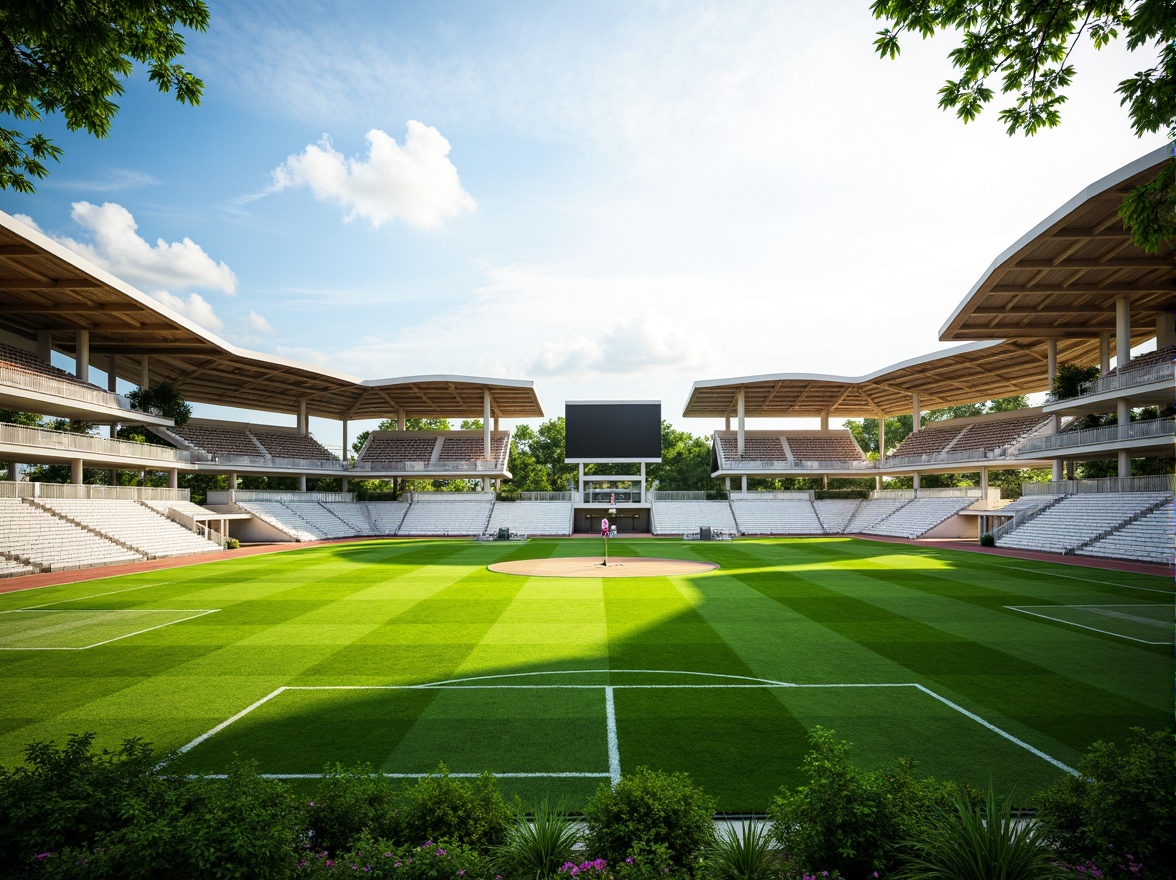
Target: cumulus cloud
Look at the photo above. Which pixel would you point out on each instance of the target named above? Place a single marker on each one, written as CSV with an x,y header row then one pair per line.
x,y
416,182
118,248
258,324
194,307
646,341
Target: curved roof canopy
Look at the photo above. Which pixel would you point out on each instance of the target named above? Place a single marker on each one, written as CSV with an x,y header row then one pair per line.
x,y
1063,276
959,375
45,287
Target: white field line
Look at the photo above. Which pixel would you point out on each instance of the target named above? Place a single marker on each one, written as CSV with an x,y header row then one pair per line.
x,y
124,635
95,596
1105,632
614,749
605,672
998,731
553,775
610,714
1074,577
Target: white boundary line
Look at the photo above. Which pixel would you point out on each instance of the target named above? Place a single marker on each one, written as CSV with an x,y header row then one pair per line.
x,y
95,596
610,710
1106,632
1074,577
137,632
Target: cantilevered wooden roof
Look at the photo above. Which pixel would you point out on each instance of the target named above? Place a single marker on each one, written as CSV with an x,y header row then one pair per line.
x,y
46,287
1062,278
963,374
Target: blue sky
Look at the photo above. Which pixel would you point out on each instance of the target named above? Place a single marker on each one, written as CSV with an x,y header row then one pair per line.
x,y
612,199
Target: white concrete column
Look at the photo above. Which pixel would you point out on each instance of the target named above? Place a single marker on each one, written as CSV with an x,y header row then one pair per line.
x,y
726,423
173,479
302,483
303,418
881,439
75,472
878,482
401,420
232,488
1123,417
740,405
346,452
743,484
642,482
915,482
580,466
984,484
13,472
1124,464
486,423
112,387
345,483
1057,470
1051,362
727,482
496,428
916,413
825,420
144,371
45,346
1165,329
1104,353
82,356
1122,332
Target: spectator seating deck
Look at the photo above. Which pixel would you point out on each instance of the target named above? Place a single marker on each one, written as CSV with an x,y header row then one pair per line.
x,y
872,512
681,517
386,516
532,517
36,537
354,513
835,446
283,519
322,519
292,445
219,441
1077,520
758,516
133,525
391,448
835,513
266,445
445,516
1148,539
14,358
918,517
932,440
997,434
1159,356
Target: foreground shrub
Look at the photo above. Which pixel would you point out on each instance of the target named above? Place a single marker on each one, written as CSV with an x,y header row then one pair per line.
x,y
1119,813
541,847
647,815
747,853
966,842
440,807
350,803
444,860
850,820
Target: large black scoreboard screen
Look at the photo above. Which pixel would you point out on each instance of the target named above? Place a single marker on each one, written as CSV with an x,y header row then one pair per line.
x,y
613,430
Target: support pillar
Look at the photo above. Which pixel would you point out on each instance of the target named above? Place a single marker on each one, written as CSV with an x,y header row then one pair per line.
x,y
344,484
401,421
1123,417
144,371
346,456
642,482
727,484
302,483
740,404
173,479
581,469
881,440
825,481
496,428
983,484
1122,332
825,420
82,356
1056,475
1051,362
112,387
743,484
916,413
13,472
486,423
45,346
726,423
1104,353
1124,464
303,418
232,488
915,483
878,482
75,472
1165,330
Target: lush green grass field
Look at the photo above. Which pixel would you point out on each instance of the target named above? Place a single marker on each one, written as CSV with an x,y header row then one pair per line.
x,y
977,666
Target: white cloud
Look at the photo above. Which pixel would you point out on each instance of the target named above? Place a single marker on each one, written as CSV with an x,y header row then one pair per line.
x,y
417,182
118,248
28,221
258,324
115,180
633,345
195,308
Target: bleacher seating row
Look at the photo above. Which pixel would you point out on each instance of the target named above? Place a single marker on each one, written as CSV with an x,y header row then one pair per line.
x,y
219,440
1080,522
786,446
402,450
13,358
992,436
1151,358
55,535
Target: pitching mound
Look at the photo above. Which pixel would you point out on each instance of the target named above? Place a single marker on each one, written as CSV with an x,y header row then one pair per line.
x,y
590,567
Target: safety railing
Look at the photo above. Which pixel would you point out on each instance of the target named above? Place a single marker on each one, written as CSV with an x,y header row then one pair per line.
x,y
43,438
1143,430
794,495
302,464
1101,485
41,384
74,491
1129,378
547,496
667,495
431,467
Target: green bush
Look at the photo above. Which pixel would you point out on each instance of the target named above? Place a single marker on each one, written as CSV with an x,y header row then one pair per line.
x,y
232,544
987,540
540,847
1119,810
439,807
349,803
851,820
444,860
646,810
966,842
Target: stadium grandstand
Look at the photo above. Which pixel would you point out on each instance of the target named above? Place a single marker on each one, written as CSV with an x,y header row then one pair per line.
x,y
1074,290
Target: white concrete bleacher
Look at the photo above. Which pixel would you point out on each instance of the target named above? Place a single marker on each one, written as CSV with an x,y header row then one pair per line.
x,y
131,524
218,440
386,516
1147,539
38,538
682,517
830,446
998,433
395,449
291,444
771,516
532,517
928,442
354,513
322,519
872,512
450,513
836,513
13,358
918,517
1077,520
283,519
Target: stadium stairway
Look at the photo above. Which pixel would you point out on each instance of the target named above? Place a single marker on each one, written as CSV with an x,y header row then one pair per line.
x,y
918,517
835,513
872,512
1077,521
131,525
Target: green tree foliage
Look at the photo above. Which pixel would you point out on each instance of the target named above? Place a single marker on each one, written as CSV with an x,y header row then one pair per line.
x,y
10,417
70,57
1026,45
162,399
441,807
686,461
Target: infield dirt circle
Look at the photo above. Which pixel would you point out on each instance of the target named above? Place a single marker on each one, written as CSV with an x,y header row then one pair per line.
x,y
590,567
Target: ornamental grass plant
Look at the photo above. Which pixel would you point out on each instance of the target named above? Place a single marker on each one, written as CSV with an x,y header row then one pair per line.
x,y
540,847
746,852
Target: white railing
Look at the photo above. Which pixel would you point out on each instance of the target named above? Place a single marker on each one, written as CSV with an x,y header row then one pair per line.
x,y
547,496
945,492
221,496
302,464
414,497
663,495
74,491
854,464
431,467
1129,378
43,438
1102,485
760,464
892,494
41,384
794,495
1106,434
941,457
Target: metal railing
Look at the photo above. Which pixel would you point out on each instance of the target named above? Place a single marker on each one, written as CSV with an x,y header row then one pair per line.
x,y
1107,434
221,497
43,438
1102,485
941,457
431,467
74,491
664,495
304,464
760,464
1129,378
547,496
41,384
793,495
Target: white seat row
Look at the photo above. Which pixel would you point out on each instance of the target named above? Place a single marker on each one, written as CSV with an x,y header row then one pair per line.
x,y
873,512
683,517
918,517
774,517
1076,520
445,517
836,513
131,524
532,517
38,538
1148,539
